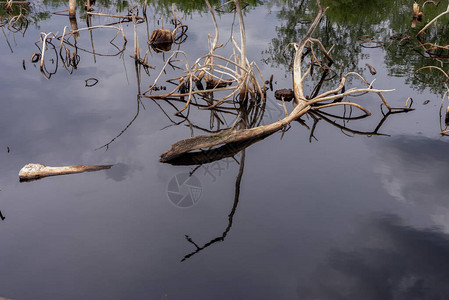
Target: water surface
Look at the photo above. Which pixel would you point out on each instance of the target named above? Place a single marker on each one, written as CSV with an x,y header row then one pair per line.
x,y
334,216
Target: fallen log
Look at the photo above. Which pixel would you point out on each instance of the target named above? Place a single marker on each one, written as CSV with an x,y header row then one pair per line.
x,y
302,105
31,172
231,135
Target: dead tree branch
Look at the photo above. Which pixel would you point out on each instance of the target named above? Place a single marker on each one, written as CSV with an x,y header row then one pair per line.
x,y
302,104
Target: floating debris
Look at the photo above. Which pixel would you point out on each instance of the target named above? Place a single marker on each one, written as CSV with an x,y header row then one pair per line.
x,y
32,172
426,102
90,82
287,94
161,40
371,69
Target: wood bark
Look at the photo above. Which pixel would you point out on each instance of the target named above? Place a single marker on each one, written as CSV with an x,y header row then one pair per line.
x,y
32,172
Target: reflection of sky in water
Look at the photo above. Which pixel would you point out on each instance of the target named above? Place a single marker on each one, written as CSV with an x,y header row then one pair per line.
x,y
414,170
304,224
386,260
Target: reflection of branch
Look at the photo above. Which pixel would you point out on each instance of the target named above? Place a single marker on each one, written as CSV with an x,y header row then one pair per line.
x,y
432,21
69,60
230,216
444,120
46,40
124,129
322,116
208,156
302,104
139,103
7,41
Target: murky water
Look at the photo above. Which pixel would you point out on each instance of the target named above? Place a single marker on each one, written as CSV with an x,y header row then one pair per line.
x,y
336,215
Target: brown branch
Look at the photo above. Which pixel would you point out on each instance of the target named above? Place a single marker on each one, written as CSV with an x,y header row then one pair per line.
x,y
432,21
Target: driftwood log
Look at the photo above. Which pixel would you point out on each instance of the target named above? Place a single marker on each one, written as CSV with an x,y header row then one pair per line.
x,y
301,103
32,172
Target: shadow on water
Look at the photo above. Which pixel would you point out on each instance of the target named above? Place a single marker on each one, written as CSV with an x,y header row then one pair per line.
x,y
222,237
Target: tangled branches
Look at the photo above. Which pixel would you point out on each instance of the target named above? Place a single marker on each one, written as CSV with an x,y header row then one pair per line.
x,y
234,75
302,103
68,50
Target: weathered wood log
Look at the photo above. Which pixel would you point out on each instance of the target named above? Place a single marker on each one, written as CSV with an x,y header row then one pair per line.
x,y
32,172
211,155
231,135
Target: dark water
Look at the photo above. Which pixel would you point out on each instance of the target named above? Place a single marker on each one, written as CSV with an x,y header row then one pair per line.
x,y
341,217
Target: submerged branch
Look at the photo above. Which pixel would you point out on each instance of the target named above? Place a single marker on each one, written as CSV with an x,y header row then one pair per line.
x,y
230,216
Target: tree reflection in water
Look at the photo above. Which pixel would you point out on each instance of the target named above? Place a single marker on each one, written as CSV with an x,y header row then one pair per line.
x,y
384,21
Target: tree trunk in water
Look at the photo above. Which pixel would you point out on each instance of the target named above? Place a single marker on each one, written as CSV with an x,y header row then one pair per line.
x,y
74,26
72,8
